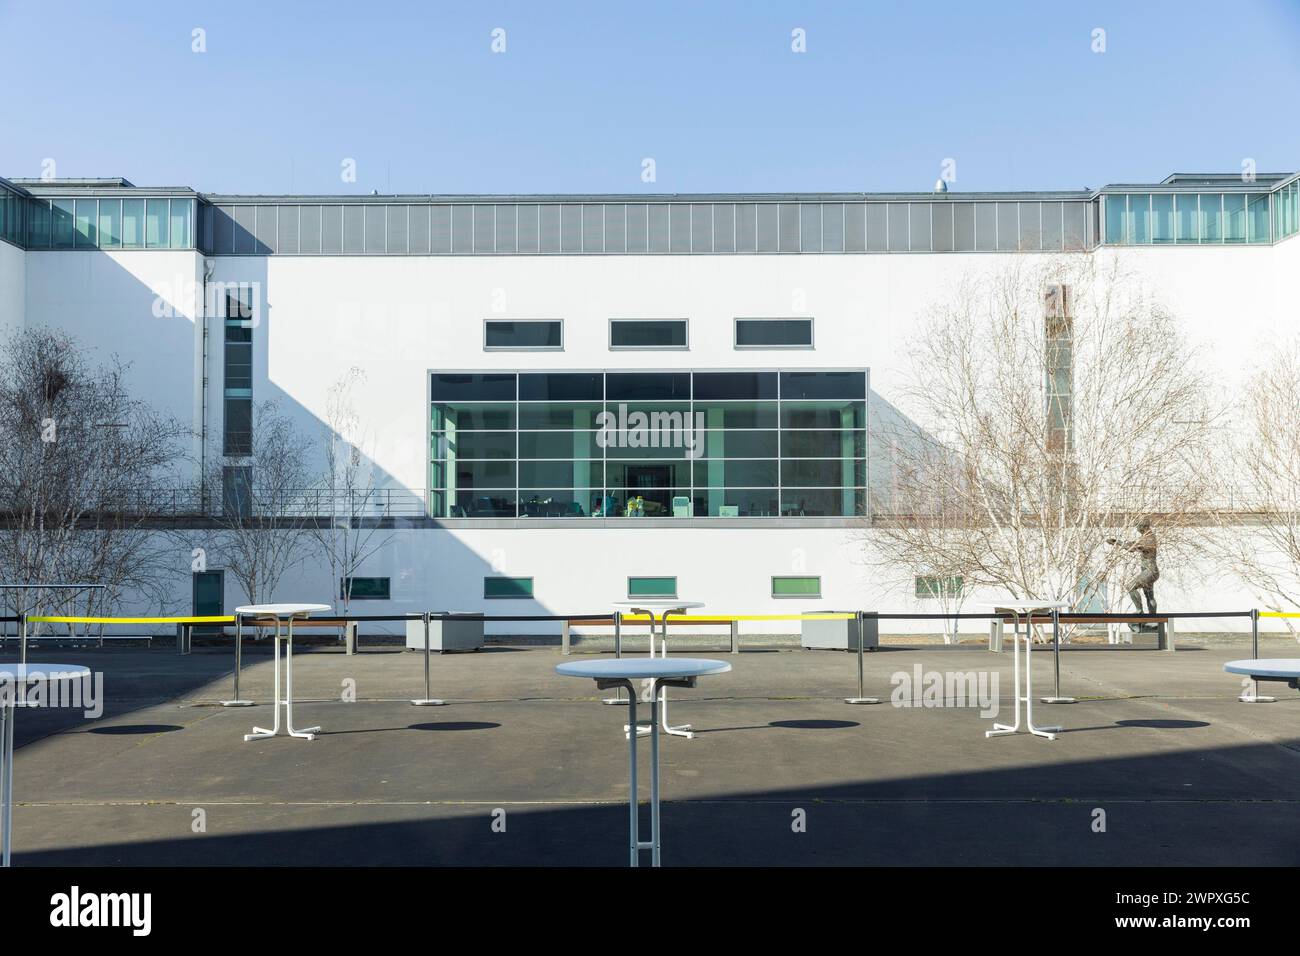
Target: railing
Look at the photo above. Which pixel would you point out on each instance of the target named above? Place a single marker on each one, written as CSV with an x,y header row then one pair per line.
x,y
193,501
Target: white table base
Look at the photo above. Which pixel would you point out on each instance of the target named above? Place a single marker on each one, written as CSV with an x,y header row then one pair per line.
x,y
7,715
308,733
635,843
1028,697
681,730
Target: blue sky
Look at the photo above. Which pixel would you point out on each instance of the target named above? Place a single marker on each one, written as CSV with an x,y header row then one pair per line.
x,y
1012,91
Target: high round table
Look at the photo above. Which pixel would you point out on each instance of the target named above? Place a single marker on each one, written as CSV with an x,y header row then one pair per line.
x,y
665,607
661,672
14,680
1283,669
1025,609
282,613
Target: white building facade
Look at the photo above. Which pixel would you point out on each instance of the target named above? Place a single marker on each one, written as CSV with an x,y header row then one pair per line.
x,y
508,346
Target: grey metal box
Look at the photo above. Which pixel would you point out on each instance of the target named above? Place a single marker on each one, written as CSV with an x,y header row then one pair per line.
x,y
447,634
839,635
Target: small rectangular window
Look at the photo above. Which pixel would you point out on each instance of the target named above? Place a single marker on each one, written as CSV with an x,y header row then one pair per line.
x,y
774,333
238,432
533,334
652,587
930,586
365,589
647,333
507,588
237,490
790,586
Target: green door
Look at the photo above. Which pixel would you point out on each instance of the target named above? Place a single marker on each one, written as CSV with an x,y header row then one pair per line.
x,y
209,597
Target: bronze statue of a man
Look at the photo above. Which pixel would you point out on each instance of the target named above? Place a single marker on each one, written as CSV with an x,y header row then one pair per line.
x,y
1143,583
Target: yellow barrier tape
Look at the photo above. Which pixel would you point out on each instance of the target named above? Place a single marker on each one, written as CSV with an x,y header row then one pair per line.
x,y
134,620
1279,613
640,618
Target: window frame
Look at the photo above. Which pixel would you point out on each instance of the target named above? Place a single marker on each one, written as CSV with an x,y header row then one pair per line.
x,y
388,587
684,347
735,333
508,597
658,596
523,348
796,577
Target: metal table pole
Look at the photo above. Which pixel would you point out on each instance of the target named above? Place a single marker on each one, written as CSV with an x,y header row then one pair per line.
x,y
635,821
7,713
861,698
1253,696
656,689
238,701
426,700
1056,660
618,652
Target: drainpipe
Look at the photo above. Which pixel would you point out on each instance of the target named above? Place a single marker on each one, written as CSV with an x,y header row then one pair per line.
x,y
209,266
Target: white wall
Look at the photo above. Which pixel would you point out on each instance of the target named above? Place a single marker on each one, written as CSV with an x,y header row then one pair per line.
x,y
138,306
13,287
397,317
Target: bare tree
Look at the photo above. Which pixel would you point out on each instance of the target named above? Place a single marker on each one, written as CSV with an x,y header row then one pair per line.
x,y
79,459
1049,407
358,509
262,529
1258,532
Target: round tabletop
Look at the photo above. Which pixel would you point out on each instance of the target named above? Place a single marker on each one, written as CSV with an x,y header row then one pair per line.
x,y
45,672
653,603
279,610
1286,667
1024,605
637,668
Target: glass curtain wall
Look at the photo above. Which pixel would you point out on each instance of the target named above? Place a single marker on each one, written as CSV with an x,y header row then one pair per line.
x,y
648,444
1141,219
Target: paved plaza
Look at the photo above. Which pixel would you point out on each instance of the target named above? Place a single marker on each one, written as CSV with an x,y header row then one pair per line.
x,y
782,771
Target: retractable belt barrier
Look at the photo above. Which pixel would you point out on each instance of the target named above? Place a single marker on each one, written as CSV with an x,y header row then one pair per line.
x,y
864,619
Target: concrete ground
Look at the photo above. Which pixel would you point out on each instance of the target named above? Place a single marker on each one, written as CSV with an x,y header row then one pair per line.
x,y
783,772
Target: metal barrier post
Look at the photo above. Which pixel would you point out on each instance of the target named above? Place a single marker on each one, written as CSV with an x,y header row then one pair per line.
x,y
426,700
618,652
861,699
237,701
735,636
22,639
1056,698
1253,696
564,639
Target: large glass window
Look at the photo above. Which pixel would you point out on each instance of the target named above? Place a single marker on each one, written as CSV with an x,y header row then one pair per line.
x,y
1211,217
132,223
1234,217
110,223
62,217
1117,221
1162,218
155,224
648,444
86,223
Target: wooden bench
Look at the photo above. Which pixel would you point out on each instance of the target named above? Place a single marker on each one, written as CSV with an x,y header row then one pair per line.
x,y
351,638
1164,628
566,627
